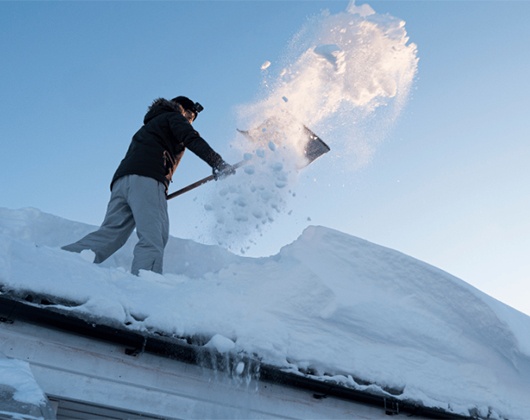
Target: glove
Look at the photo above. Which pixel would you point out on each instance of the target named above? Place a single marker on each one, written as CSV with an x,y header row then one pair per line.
x,y
222,170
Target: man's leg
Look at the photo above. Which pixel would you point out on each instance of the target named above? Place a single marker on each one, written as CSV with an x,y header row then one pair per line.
x,y
147,199
115,229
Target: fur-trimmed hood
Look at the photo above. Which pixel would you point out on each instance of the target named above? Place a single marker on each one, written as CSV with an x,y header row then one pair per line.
x,y
159,106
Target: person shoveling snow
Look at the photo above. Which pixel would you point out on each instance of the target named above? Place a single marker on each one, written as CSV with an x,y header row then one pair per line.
x,y
139,186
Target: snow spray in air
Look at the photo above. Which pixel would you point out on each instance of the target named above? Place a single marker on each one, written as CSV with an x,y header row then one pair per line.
x,y
346,76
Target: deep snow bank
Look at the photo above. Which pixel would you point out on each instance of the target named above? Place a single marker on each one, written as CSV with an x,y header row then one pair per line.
x,y
329,303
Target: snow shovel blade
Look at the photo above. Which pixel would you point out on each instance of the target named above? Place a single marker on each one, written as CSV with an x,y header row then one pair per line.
x,y
315,146
278,130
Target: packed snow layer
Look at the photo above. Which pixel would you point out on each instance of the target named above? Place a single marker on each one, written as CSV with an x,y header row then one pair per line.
x,y
329,303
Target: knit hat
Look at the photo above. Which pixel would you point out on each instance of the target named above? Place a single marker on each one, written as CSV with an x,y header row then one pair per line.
x,y
188,104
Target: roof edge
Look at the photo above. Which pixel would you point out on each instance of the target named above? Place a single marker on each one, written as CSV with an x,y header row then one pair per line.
x,y
43,311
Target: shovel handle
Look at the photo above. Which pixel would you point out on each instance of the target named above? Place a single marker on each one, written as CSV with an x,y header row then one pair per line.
x,y
200,182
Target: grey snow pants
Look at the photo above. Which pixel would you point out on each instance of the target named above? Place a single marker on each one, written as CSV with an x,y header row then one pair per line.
x,y
135,201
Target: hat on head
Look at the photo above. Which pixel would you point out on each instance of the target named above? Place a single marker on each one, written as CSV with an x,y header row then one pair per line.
x,y
188,104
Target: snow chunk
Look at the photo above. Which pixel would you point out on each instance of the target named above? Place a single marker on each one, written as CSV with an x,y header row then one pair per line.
x,y
88,255
221,344
17,375
333,54
363,10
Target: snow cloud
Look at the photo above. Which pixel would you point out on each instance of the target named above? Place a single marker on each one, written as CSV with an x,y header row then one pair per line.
x,y
347,77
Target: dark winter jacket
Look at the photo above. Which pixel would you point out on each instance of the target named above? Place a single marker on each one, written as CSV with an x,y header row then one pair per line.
x,y
157,147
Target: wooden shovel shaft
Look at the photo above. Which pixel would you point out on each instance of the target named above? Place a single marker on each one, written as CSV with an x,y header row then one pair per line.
x,y
200,182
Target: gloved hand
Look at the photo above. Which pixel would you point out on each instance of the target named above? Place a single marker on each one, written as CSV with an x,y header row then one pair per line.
x,y
222,170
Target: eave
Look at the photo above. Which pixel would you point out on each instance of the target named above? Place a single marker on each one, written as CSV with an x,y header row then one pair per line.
x,y
43,311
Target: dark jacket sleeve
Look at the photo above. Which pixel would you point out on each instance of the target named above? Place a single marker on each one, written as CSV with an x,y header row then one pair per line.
x,y
194,142
201,148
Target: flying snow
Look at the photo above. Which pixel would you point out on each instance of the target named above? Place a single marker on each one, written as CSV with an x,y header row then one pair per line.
x,y
265,65
343,74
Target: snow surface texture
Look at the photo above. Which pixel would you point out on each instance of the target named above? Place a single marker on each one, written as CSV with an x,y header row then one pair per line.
x,y
347,77
329,303
18,374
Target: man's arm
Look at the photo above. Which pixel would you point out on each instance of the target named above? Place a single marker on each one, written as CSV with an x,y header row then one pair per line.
x,y
193,141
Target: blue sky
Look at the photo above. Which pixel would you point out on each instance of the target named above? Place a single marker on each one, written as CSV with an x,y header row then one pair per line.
x,y
448,185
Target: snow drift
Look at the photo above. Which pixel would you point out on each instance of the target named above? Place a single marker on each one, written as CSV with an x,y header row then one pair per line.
x,y
329,304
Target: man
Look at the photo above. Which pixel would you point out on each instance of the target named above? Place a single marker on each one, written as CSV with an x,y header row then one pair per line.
x,y
139,186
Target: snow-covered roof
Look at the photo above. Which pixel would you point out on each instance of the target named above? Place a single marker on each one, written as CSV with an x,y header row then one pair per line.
x,y
330,306
124,362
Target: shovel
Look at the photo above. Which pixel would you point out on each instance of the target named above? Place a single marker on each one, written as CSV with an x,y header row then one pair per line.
x,y
313,147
